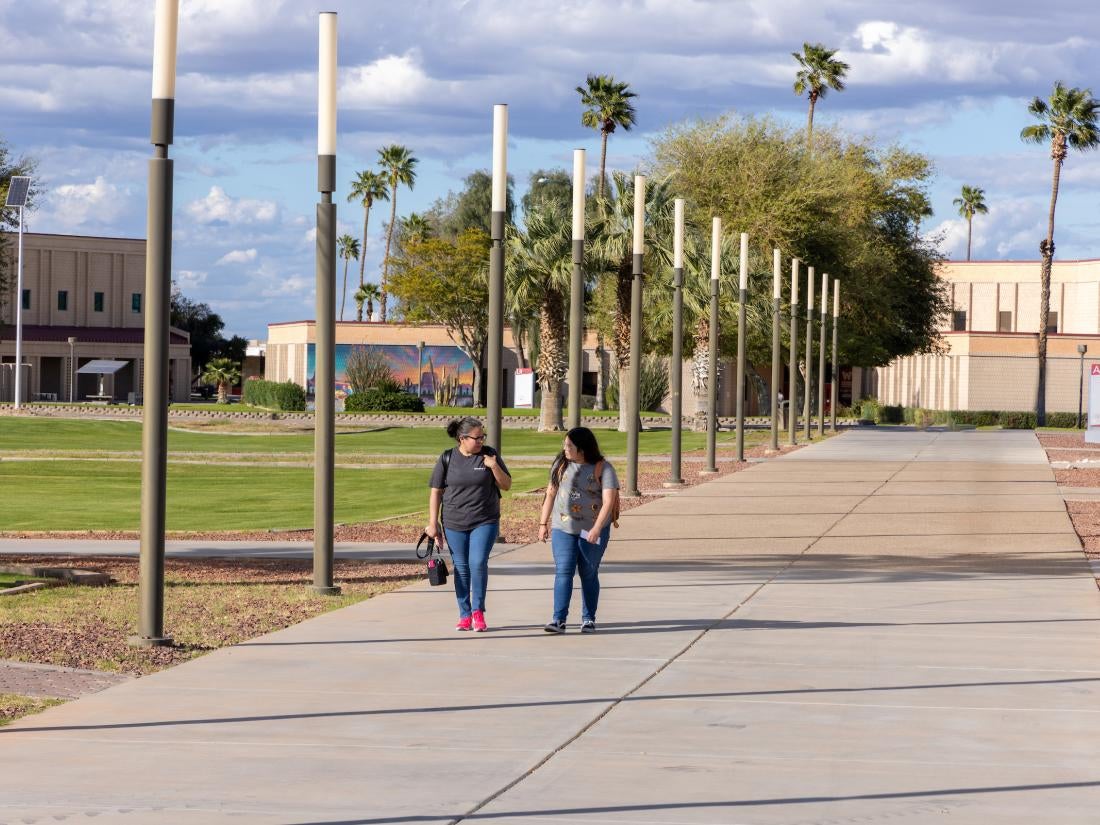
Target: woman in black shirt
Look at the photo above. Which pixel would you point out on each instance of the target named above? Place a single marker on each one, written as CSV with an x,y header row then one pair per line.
x,y
466,481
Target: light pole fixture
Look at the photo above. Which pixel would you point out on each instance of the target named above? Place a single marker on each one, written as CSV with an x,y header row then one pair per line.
x,y
712,347
19,187
324,396
742,299
836,364
808,408
821,355
420,369
1081,350
495,344
792,378
72,368
777,265
633,411
158,287
677,382
576,293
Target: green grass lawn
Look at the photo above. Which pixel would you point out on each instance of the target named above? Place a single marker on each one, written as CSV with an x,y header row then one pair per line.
x,y
9,579
68,435
102,495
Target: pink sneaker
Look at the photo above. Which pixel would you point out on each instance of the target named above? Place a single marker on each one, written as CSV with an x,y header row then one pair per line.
x,y
479,622
464,623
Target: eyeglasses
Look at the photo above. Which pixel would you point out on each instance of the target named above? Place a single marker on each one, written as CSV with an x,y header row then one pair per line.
x,y
475,437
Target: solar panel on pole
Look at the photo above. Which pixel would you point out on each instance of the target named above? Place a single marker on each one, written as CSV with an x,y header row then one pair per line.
x,y
18,189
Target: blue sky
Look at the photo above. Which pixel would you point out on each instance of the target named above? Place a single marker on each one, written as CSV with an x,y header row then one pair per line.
x,y
948,79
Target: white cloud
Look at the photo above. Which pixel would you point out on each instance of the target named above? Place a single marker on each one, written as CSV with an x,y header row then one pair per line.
x,y
189,278
1011,229
74,207
237,256
218,207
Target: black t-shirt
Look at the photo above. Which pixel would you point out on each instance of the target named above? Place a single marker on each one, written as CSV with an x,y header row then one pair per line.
x,y
470,495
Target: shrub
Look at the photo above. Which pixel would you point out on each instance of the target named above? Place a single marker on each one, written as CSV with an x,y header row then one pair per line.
x,y
891,414
868,409
1018,420
275,395
368,368
653,385
1062,419
378,400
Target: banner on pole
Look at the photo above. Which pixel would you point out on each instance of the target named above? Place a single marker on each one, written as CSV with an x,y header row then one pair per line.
x,y
1092,432
525,387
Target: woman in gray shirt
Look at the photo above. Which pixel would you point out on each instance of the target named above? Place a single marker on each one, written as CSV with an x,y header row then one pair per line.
x,y
466,482
580,505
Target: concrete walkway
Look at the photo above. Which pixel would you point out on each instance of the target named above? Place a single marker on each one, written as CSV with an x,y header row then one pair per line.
x,y
888,627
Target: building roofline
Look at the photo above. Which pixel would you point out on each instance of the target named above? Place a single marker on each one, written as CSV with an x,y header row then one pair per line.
x,y
1035,261
64,235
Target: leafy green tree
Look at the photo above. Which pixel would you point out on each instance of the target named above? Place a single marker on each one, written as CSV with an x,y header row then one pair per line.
x,y
539,269
607,107
223,373
348,249
552,185
441,281
819,71
11,166
369,186
471,208
201,323
970,202
367,294
850,209
1068,120
399,168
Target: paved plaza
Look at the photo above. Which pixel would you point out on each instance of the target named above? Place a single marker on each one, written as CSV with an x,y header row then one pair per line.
x,y
886,627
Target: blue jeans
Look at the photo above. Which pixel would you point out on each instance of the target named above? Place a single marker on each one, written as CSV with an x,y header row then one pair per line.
x,y
470,554
573,554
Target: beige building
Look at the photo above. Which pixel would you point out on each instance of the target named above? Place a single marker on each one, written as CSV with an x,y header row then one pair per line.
x,y
990,354
83,299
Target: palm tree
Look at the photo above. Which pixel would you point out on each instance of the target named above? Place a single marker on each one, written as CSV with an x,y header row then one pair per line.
x,y
416,226
819,72
368,187
970,203
367,294
1069,121
612,252
399,167
539,269
224,373
348,248
608,107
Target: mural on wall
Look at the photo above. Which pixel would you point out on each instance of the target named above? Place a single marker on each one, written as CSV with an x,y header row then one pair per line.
x,y
441,374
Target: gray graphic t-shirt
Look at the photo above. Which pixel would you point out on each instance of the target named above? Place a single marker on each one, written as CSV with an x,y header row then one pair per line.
x,y
470,495
580,496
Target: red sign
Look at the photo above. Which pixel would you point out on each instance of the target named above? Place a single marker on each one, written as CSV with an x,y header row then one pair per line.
x,y
1095,369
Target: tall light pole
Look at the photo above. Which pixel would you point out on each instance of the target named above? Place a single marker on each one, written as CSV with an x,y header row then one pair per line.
x,y
633,423
158,283
576,293
324,416
18,188
742,299
836,368
495,344
72,368
420,370
808,408
776,274
821,355
1081,350
792,404
712,348
677,388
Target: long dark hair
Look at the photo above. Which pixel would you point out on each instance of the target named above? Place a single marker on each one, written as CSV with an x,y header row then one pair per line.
x,y
584,440
462,426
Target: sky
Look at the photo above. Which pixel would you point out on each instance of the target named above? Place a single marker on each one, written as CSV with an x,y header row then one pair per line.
x,y
949,79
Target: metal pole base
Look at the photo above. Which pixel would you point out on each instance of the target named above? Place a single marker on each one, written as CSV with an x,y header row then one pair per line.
x,y
673,483
709,472
321,590
148,642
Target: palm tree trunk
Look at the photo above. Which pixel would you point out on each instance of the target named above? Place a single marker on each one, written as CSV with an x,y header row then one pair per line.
x,y
969,234
603,163
363,251
621,342
810,123
601,374
1047,249
344,293
386,260
551,361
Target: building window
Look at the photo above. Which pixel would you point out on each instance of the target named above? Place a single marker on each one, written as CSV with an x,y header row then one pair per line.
x,y
62,300
1004,321
135,302
1052,322
958,320
26,299
97,301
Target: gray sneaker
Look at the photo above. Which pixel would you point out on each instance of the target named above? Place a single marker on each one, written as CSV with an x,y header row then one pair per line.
x,y
554,627
588,626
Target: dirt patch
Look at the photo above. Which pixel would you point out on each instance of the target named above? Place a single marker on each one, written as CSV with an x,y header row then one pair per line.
x,y
1077,478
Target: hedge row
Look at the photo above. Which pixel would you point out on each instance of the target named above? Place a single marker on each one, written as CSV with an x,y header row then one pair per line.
x,y
381,400
273,395
871,410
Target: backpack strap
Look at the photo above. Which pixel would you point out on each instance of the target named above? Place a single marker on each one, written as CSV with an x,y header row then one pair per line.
x,y
445,458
